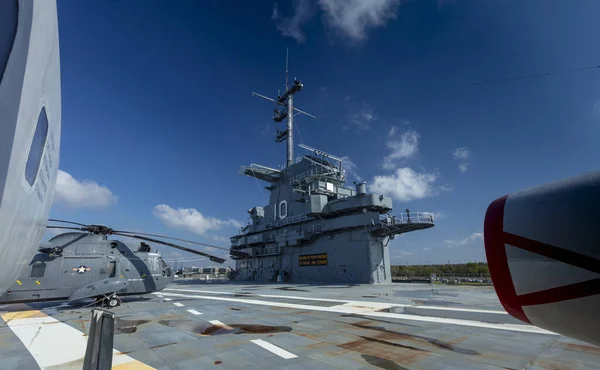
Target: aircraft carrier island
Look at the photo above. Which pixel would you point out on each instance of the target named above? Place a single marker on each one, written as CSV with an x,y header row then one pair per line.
x,y
314,229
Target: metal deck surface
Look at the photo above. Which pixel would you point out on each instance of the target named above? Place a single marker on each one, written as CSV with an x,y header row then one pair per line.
x,y
196,325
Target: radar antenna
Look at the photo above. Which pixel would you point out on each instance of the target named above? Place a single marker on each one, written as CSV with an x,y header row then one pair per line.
x,y
286,101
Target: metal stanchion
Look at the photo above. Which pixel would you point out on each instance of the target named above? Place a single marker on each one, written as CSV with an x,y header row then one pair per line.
x,y
98,354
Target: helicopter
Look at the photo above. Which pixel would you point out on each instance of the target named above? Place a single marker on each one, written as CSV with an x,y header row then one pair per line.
x,y
84,264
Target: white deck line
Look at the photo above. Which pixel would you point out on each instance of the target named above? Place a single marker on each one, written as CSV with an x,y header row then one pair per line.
x,y
194,312
53,343
357,303
349,309
274,349
219,323
178,304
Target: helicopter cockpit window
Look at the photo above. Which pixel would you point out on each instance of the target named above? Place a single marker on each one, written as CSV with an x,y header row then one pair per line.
x,y
144,247
164,267
38,270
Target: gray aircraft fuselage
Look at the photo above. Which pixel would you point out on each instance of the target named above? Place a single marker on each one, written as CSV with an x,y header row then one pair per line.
x,y
90,266
30,124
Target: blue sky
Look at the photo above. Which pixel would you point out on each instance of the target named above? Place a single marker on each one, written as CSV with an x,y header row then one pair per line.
x,y
158,113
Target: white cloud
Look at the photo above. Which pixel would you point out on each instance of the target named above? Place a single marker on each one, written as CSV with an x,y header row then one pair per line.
x,y
361,120
350,167
437,215
461,153
463,241
462,156
81,194
347,98
190,219
291,26
222,239
401,145
351,19
426,249
406,184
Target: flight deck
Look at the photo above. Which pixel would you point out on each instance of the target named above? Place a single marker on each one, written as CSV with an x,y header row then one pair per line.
x,y
193,324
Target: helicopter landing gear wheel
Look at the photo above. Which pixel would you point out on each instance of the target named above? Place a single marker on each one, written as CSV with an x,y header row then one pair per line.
x,y
111,301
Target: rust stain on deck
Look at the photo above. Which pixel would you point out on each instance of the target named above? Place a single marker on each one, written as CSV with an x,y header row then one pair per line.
x,y
583,347
550,365
417,340
386,350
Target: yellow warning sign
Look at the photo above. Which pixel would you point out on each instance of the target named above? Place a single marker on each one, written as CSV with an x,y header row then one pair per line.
x,y
312,259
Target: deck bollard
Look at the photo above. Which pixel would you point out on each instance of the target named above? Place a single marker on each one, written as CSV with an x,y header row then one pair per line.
x,y
98,354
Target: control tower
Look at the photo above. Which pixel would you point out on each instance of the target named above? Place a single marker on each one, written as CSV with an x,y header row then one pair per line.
x,y
314,229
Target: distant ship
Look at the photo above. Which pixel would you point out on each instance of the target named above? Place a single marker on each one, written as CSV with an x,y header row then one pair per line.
x,y
30,117
315,230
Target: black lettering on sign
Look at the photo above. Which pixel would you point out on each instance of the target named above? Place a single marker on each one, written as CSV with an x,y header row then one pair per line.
x,y
312,259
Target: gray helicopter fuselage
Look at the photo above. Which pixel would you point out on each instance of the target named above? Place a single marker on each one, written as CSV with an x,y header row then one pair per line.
x,y
89,266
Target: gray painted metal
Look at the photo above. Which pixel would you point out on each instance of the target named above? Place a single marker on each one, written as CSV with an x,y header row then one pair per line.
x,y
90,266
29,85
98,354
314,229
548,237
290,131
164,336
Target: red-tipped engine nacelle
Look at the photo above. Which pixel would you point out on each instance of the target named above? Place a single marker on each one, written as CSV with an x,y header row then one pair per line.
x,y
543,251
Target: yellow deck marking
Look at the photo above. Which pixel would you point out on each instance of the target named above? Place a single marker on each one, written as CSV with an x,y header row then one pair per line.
x,y
9,316
134,365
54,344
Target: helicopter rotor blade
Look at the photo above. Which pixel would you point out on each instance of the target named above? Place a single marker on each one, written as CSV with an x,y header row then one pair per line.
x,y
66,222
211,257
64,227
168,237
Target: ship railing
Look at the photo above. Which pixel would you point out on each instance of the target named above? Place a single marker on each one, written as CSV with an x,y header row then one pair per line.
x,y
289,220
267,251
321,170
409,218
315,229
271,237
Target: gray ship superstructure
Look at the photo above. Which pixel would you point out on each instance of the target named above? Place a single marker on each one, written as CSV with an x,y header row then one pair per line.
x,y
315,229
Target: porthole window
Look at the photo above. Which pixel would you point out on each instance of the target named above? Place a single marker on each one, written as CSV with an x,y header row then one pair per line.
x,y
37,148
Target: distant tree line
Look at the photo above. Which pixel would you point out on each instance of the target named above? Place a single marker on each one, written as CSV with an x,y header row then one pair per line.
x,y
454,269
